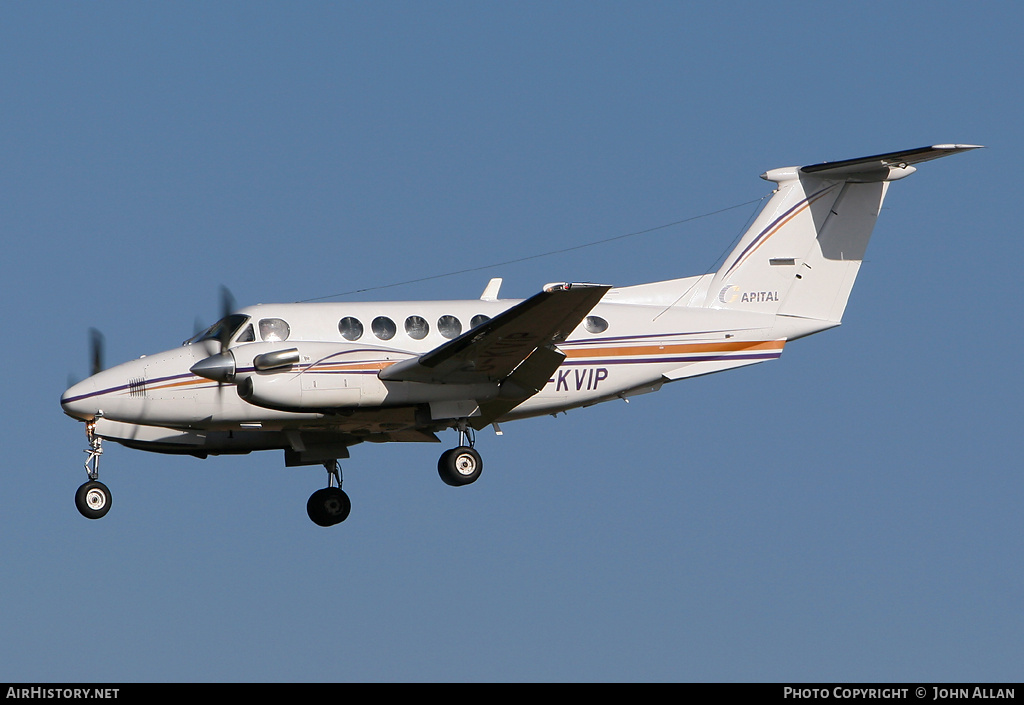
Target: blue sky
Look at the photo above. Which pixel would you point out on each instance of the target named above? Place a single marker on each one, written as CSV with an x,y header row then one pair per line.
x,y
850,512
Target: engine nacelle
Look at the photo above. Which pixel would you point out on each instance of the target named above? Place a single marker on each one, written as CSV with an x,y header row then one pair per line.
x,y
330,376
286,392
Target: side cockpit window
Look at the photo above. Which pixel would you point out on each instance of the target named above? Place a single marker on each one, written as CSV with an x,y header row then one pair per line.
x,y
274,330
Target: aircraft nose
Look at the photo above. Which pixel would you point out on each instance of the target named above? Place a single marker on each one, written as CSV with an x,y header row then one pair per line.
x,y
79,401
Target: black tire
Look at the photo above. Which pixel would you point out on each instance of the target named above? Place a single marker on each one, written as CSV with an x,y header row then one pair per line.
x,y
328,506
460,466
93,499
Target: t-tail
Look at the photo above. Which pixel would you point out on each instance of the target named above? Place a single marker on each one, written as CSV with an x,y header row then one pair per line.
x,y
801,255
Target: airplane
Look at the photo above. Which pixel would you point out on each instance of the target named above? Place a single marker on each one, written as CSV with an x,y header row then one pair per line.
x,y
316,379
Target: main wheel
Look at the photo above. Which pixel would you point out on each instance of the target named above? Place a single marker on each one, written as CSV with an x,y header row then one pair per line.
x,y
328,506
93,499
460,466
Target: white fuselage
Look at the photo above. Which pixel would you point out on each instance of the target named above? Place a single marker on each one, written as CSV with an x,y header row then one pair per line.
x,y
636,339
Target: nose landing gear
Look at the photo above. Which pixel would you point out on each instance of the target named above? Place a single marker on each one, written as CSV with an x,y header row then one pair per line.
x,y
93,497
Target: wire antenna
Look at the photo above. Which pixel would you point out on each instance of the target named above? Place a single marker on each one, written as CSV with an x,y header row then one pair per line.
x,y
537,256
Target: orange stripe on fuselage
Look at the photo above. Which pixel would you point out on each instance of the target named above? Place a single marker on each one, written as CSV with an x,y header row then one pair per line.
x,y
635,350
349,366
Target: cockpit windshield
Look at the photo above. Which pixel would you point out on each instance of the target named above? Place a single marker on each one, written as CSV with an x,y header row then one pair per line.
x,y
223,330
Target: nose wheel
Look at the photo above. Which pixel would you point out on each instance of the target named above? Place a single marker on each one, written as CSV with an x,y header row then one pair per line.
x,y
93,497
330,505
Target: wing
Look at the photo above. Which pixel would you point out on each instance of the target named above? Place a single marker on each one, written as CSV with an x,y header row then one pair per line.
x,y
515,349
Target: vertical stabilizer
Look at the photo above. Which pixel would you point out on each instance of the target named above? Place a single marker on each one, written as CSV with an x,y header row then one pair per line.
x,y
803,252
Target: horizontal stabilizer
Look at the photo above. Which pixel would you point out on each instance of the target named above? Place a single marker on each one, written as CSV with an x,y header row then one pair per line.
x,y
882,163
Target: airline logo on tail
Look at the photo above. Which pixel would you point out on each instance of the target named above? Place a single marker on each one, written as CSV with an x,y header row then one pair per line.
x,y
732,293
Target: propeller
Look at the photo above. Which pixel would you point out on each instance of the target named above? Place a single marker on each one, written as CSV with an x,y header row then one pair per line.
x,y
227,306
227,302
220,365
96,345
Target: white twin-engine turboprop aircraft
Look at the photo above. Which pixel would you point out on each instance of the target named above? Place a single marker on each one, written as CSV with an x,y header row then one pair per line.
x,y
314,379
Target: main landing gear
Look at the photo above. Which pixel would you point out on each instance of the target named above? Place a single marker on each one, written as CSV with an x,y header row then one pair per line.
x,y
93,497
330,505
462,465
457,467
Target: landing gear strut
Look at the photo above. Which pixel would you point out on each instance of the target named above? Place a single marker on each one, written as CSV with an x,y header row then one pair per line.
x,y
330,505
462,465
93,497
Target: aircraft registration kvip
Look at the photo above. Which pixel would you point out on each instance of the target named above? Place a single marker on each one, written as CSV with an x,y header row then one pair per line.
x,y
315,379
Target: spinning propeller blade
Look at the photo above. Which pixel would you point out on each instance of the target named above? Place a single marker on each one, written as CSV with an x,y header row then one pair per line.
x,y
96,345
227,302
227,306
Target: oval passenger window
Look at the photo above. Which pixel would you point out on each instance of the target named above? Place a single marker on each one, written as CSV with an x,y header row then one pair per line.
x,y
417,327
383,327
350,328
595,324
450,326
